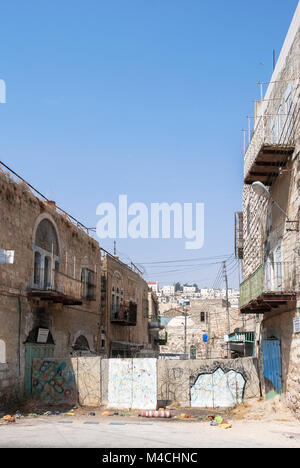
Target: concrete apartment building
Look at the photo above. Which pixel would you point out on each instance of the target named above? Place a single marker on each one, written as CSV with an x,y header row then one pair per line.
x,y
168,290
129,312
49,286
269,247
205,332
154,286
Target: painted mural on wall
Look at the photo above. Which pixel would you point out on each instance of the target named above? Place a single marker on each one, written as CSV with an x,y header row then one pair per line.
x,y
132,383
53,381
218,389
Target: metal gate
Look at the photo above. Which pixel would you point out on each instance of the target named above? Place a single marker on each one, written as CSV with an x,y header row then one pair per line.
x,y
272,365
33,351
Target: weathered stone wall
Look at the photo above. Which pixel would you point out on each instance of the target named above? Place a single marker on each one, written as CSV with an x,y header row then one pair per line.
x,y
175,378
214,326
20,211
134,288
265,226
280,326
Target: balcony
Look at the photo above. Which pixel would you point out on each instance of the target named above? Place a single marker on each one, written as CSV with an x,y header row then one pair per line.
x,y
154,324
241,337
270,286
124,314
241,344
56,287
268,152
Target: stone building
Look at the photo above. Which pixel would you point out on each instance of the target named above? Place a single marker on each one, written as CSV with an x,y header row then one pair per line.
x,y
206,329
129,311
269,293
49,286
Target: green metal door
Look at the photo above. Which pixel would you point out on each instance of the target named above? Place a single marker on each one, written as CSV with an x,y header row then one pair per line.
x,y
34,351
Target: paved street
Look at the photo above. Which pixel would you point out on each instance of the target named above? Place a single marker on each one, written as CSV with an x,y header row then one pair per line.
x,y
65,433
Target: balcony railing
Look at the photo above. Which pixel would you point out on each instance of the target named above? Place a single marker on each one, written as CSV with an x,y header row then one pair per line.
x,y
124,314
241,337
272,284
55,286
269,148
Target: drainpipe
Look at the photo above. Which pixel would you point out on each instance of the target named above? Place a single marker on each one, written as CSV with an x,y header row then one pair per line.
x,y
19,333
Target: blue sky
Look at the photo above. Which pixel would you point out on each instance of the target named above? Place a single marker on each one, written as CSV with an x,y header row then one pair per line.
x,y
139,97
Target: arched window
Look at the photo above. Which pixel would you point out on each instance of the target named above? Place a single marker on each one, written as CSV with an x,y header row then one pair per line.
x,y
46,237
46,254
2,352
193,352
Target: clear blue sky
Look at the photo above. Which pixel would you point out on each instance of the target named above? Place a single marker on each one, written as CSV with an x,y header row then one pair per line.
x,y
139,97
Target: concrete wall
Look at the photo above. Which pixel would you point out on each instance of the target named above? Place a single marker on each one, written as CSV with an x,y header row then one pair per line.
x,y
67,381
132,383
144,383
53,381
177,378
87,371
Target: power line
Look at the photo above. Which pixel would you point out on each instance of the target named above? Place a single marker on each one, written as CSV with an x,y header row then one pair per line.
x,y
186,260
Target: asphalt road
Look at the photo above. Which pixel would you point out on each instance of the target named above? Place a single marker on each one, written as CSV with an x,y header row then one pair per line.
x,y
64,433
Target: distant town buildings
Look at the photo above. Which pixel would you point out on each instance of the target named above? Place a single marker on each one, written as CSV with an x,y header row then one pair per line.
x,y
209,331
169,297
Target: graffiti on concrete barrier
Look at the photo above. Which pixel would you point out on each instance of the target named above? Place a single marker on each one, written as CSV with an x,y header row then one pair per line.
x,y
53,381
218,389
132,383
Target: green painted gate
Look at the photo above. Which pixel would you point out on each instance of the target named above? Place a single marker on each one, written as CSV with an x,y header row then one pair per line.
x,y
34,351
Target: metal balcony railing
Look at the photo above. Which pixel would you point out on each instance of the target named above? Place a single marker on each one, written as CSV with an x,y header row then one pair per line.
x,y
271,132
56,286
273,277
241,337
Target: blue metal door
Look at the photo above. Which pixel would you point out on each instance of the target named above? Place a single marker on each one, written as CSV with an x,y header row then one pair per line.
x,y
272,365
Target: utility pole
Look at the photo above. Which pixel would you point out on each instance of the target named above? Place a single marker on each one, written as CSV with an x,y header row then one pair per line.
x,y
185,323
227,306
208,346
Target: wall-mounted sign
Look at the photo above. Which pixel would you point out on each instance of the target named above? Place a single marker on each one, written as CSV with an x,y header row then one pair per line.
x,y
7,256
296,322
42,335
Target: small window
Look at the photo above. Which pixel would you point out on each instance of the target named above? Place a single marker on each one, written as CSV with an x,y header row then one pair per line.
x,y
88,278
193,352
202,316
